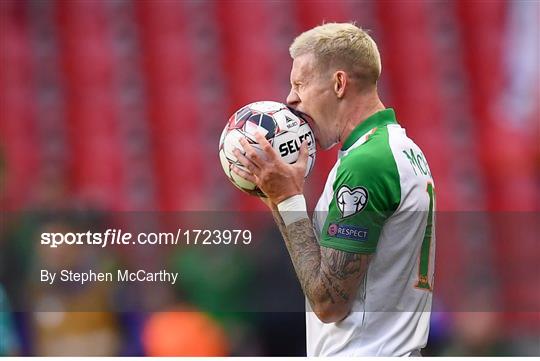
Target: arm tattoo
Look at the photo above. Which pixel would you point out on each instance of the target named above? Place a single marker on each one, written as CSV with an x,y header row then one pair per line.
x,y
341,264
326,275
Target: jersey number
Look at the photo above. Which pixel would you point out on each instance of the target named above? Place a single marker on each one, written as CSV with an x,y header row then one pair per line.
x,y
423,264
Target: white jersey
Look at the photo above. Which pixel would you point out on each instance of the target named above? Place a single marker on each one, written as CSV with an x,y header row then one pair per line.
x,y
379,199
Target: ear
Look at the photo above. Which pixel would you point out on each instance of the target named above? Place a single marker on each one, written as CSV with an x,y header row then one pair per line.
x,y
340,83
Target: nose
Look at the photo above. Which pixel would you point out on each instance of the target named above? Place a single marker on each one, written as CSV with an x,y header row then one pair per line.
x,y
292,99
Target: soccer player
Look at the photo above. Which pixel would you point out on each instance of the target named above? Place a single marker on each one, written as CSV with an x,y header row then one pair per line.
x,y
365,263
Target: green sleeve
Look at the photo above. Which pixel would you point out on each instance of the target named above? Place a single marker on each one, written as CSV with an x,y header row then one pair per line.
x,y
366,192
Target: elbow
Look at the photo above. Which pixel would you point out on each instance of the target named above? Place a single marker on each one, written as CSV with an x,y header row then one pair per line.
x,y
330,313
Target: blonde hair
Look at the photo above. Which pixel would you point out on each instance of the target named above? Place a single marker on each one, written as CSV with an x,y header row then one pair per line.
x,y
341,45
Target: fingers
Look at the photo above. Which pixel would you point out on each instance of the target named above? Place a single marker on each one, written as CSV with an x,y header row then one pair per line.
x,y
252,167
266,147
251,153
303,155
242,173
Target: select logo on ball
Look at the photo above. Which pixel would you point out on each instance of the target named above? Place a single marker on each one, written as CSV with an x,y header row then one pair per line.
x,y
293,145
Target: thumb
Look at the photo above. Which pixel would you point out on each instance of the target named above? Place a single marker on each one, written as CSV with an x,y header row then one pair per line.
x,y
303,155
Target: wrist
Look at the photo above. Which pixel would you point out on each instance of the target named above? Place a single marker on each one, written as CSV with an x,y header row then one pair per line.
x,y
293,209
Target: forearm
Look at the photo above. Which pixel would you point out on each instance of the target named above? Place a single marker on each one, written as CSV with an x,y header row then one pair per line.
x,y
329,277
305,254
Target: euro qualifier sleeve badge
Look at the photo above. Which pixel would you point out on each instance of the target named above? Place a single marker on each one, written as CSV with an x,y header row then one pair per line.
x,y
351,201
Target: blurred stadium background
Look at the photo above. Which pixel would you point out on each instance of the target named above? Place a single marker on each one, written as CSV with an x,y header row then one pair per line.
x,y
118,105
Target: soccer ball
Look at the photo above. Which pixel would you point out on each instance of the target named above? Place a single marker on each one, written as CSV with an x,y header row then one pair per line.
x,y
284,128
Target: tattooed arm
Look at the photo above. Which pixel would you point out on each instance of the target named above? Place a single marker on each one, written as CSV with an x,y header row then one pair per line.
x,y
329,278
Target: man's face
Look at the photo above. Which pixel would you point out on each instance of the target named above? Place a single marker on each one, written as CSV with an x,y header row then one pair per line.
x,y
312,93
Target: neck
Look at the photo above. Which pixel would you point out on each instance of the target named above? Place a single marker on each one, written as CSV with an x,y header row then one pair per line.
x,y
364,107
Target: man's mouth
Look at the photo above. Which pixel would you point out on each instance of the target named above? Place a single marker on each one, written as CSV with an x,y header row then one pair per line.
x,y
302,115
308,119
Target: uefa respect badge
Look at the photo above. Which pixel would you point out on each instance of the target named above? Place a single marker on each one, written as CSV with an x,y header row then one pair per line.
x,y
347,231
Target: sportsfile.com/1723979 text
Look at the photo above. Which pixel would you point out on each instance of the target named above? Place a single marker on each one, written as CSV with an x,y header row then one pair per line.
x,y
112,237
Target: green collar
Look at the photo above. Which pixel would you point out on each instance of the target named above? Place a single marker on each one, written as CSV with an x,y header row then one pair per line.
x,y
379,119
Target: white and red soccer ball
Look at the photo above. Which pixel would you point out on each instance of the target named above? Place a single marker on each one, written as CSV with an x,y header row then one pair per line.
x,y
284,129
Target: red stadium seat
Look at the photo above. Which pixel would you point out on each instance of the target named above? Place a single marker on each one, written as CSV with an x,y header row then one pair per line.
x,y
91,104
174,109
19,145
